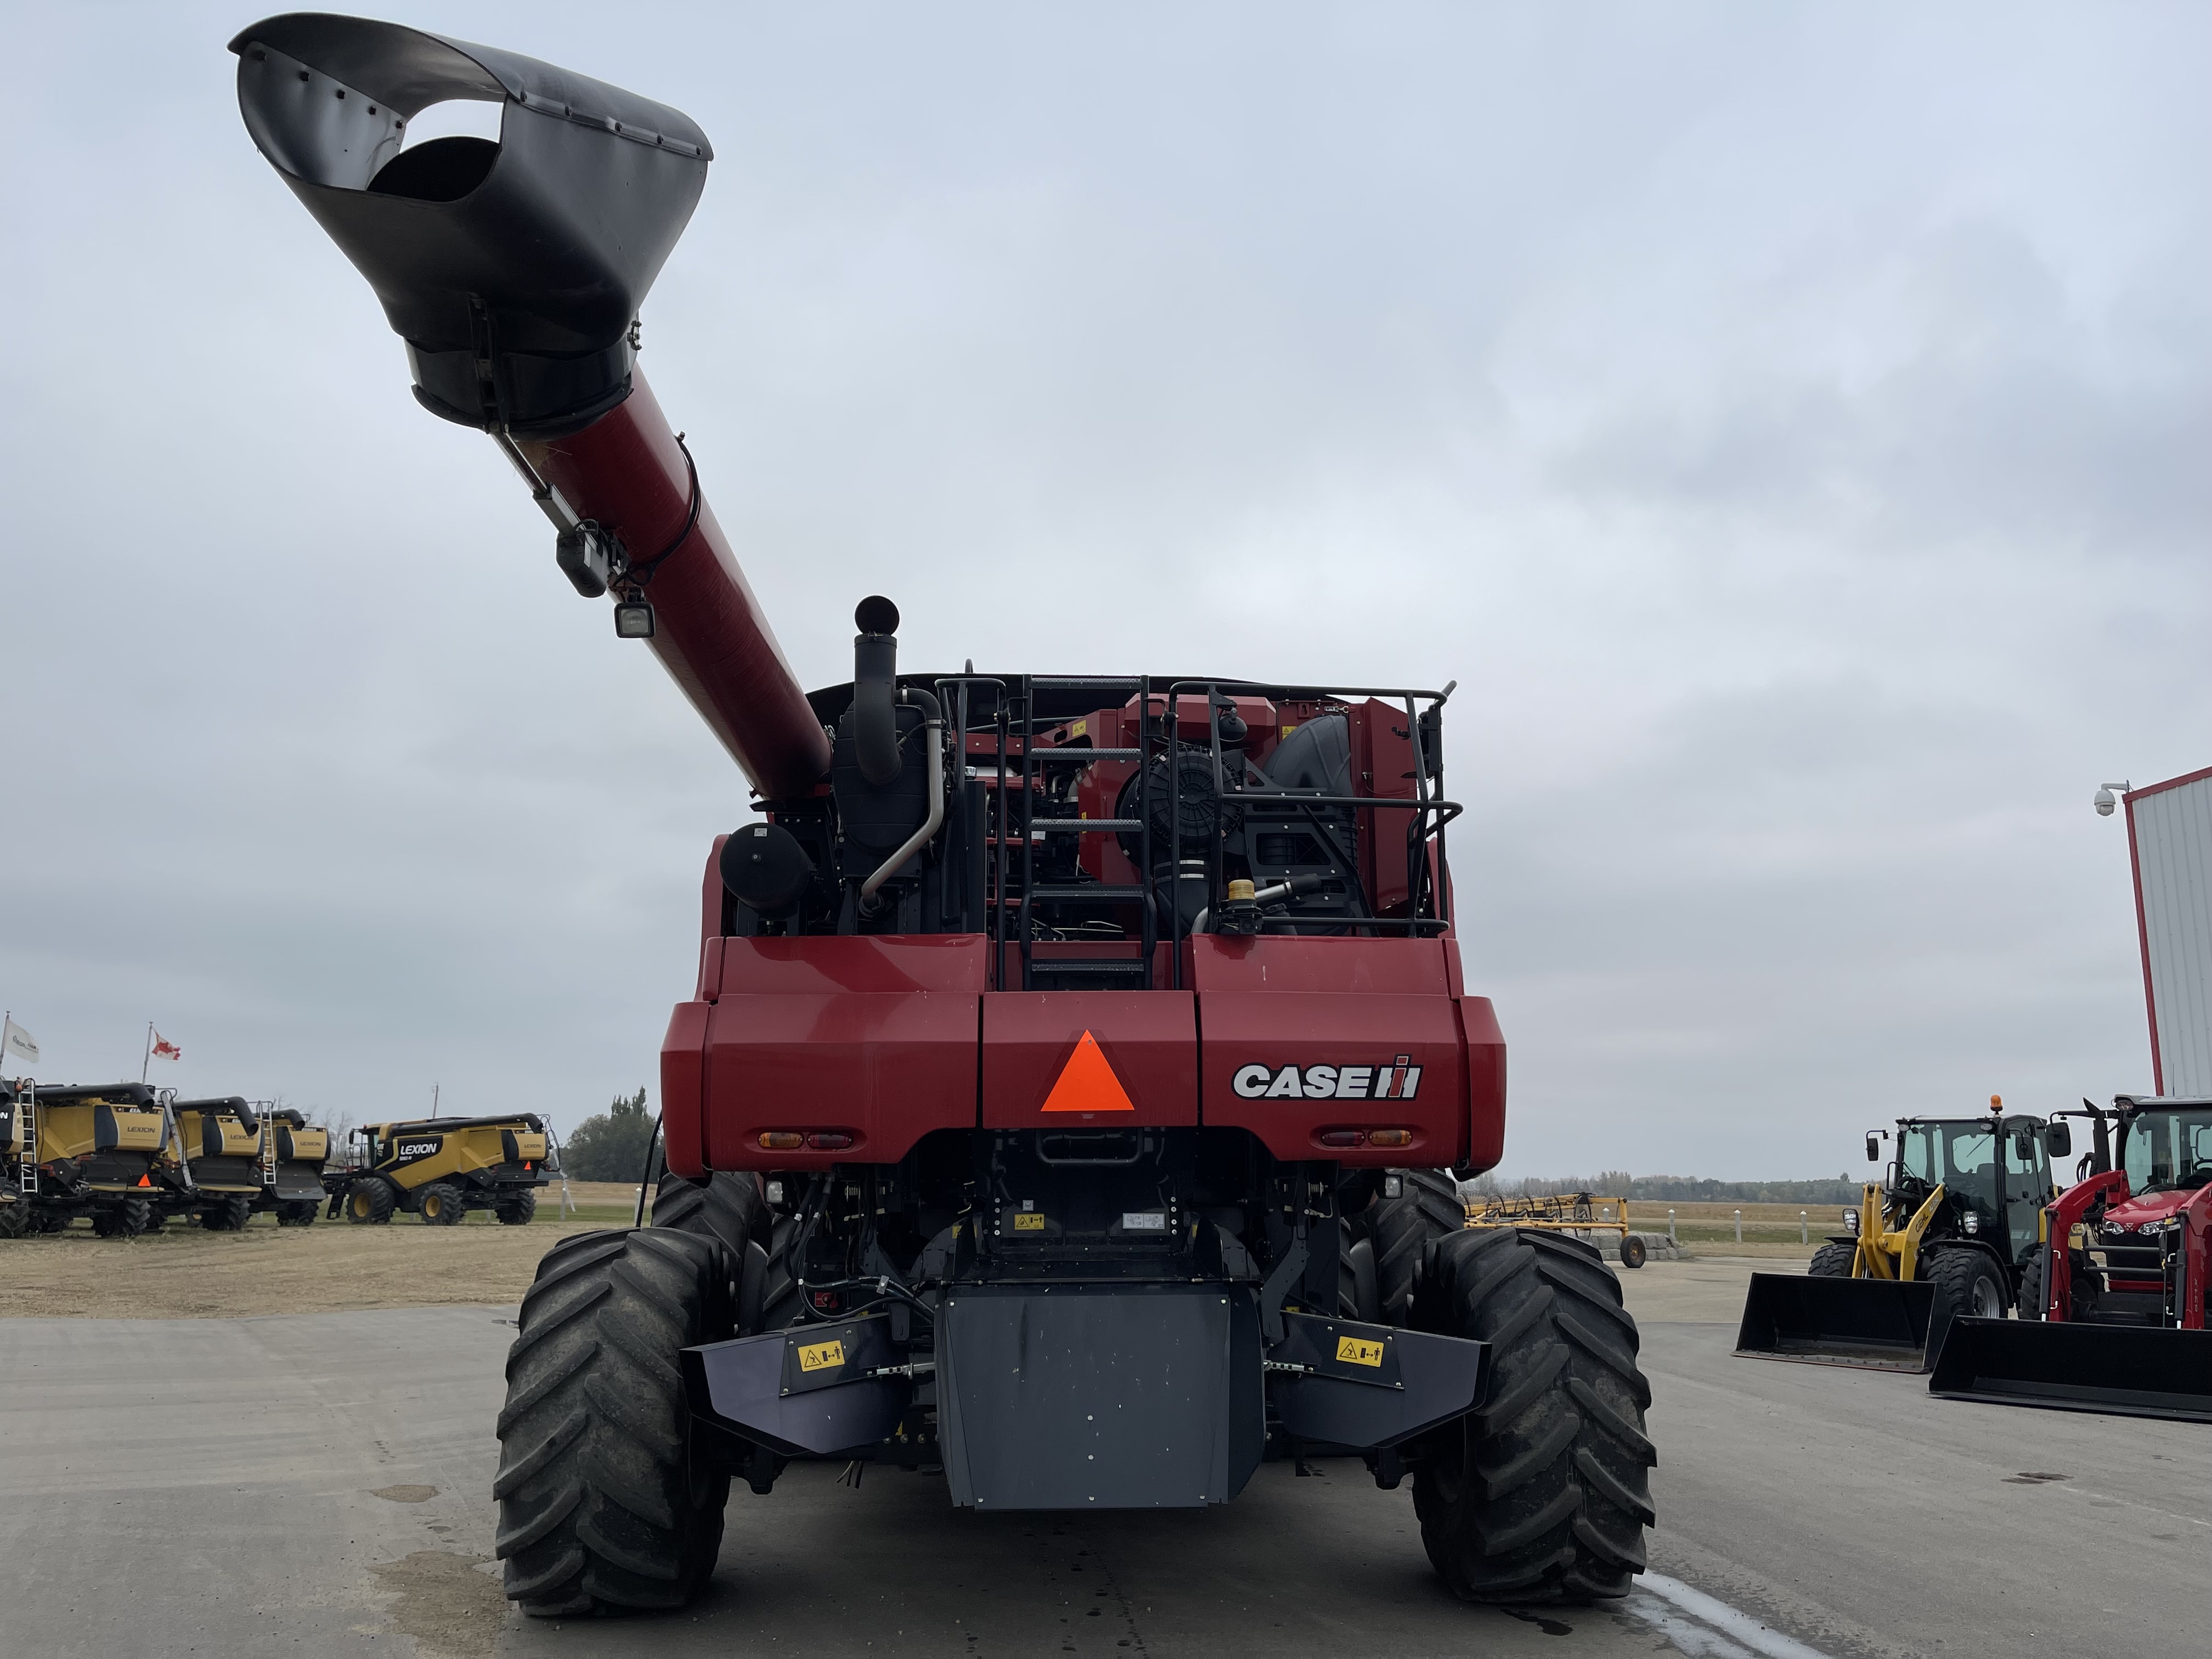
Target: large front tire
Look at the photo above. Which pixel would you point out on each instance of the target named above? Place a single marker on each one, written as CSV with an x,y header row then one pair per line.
x,y
606,1504
1542,1494
1970,1283
370,1201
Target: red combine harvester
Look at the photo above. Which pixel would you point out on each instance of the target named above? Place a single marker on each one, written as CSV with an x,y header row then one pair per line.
x,y
1074,1063
2115,1322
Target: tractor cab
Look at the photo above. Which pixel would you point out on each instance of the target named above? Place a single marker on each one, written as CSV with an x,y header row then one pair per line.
x,y
1994,1170
2165,1148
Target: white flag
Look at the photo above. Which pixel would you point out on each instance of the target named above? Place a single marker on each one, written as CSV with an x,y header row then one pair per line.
x,y
19,1042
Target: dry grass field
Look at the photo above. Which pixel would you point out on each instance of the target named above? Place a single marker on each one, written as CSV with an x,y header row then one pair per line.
x,y
1767,1228
184,1272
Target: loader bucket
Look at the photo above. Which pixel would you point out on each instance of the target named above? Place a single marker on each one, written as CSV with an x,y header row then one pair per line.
x,y
1879,1324
2128,1370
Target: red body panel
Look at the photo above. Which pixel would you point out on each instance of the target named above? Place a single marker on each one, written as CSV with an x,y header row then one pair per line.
x,y
2197,1258
626,471
1150,1039
870,1037
2194,1207
682,1086
1358,1009
884,1038
2062,1216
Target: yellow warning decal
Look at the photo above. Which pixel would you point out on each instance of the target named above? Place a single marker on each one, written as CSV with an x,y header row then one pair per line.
x,y
1028,1223
1357,1351
821,1356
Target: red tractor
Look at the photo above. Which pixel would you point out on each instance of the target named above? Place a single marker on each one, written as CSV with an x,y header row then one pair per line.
x,y
2115,1301
1068,1095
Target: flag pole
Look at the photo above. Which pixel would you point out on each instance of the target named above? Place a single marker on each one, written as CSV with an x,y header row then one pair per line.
x,y
146,1060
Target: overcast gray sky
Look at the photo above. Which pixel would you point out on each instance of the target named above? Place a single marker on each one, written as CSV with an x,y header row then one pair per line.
x,y
1789,425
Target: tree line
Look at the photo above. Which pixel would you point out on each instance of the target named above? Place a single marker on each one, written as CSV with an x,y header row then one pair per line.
x,y
1678,1189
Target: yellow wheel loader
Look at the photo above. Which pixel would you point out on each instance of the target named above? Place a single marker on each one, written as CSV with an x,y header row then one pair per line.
x,y
440,1168
1950,1230
103,1152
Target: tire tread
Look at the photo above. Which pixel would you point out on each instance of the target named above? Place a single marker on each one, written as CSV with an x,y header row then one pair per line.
x,y
1542,1493
605,1504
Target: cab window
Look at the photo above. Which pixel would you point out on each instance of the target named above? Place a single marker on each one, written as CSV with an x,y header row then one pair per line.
x,y
2168,1150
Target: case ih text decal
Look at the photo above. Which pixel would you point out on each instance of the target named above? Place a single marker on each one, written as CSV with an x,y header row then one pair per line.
x,y
1396,1081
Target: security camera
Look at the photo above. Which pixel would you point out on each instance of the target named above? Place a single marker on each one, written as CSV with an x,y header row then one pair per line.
x,y
2103,800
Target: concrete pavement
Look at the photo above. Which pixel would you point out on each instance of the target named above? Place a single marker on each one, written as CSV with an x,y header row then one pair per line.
x,y
319,1483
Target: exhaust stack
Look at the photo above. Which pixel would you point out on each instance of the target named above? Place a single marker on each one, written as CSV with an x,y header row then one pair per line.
x,y
515,271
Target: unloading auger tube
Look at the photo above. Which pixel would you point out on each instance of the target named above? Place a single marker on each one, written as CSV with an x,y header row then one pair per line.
x,y
515,271
1071,1094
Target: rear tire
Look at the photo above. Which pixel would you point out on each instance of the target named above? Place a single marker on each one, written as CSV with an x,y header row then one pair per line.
x,y
1357,1296
1542,1493
518,1211
2029,1303
778,1299
226,1214
1969,1282
729,1209
369,1203
1428,1207
298,1212
1632,1251
124,1220
441,1206
15,1219
1832,1261
606,1503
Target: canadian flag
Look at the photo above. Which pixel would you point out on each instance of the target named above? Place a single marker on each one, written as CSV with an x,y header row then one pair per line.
x,y
164,1049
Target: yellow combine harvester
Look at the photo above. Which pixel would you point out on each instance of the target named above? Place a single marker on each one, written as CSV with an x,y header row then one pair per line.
x,y
105,1153
441,1169
245,1159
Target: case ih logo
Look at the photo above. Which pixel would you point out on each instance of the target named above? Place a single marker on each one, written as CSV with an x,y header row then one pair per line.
x,y
418,1148
1396,1081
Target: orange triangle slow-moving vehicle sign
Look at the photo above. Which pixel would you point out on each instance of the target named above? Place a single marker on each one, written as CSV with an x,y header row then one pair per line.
x,y
1087,1083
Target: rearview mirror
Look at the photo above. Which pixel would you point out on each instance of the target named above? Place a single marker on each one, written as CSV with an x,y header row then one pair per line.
x,y
1874,1150
2059,1140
